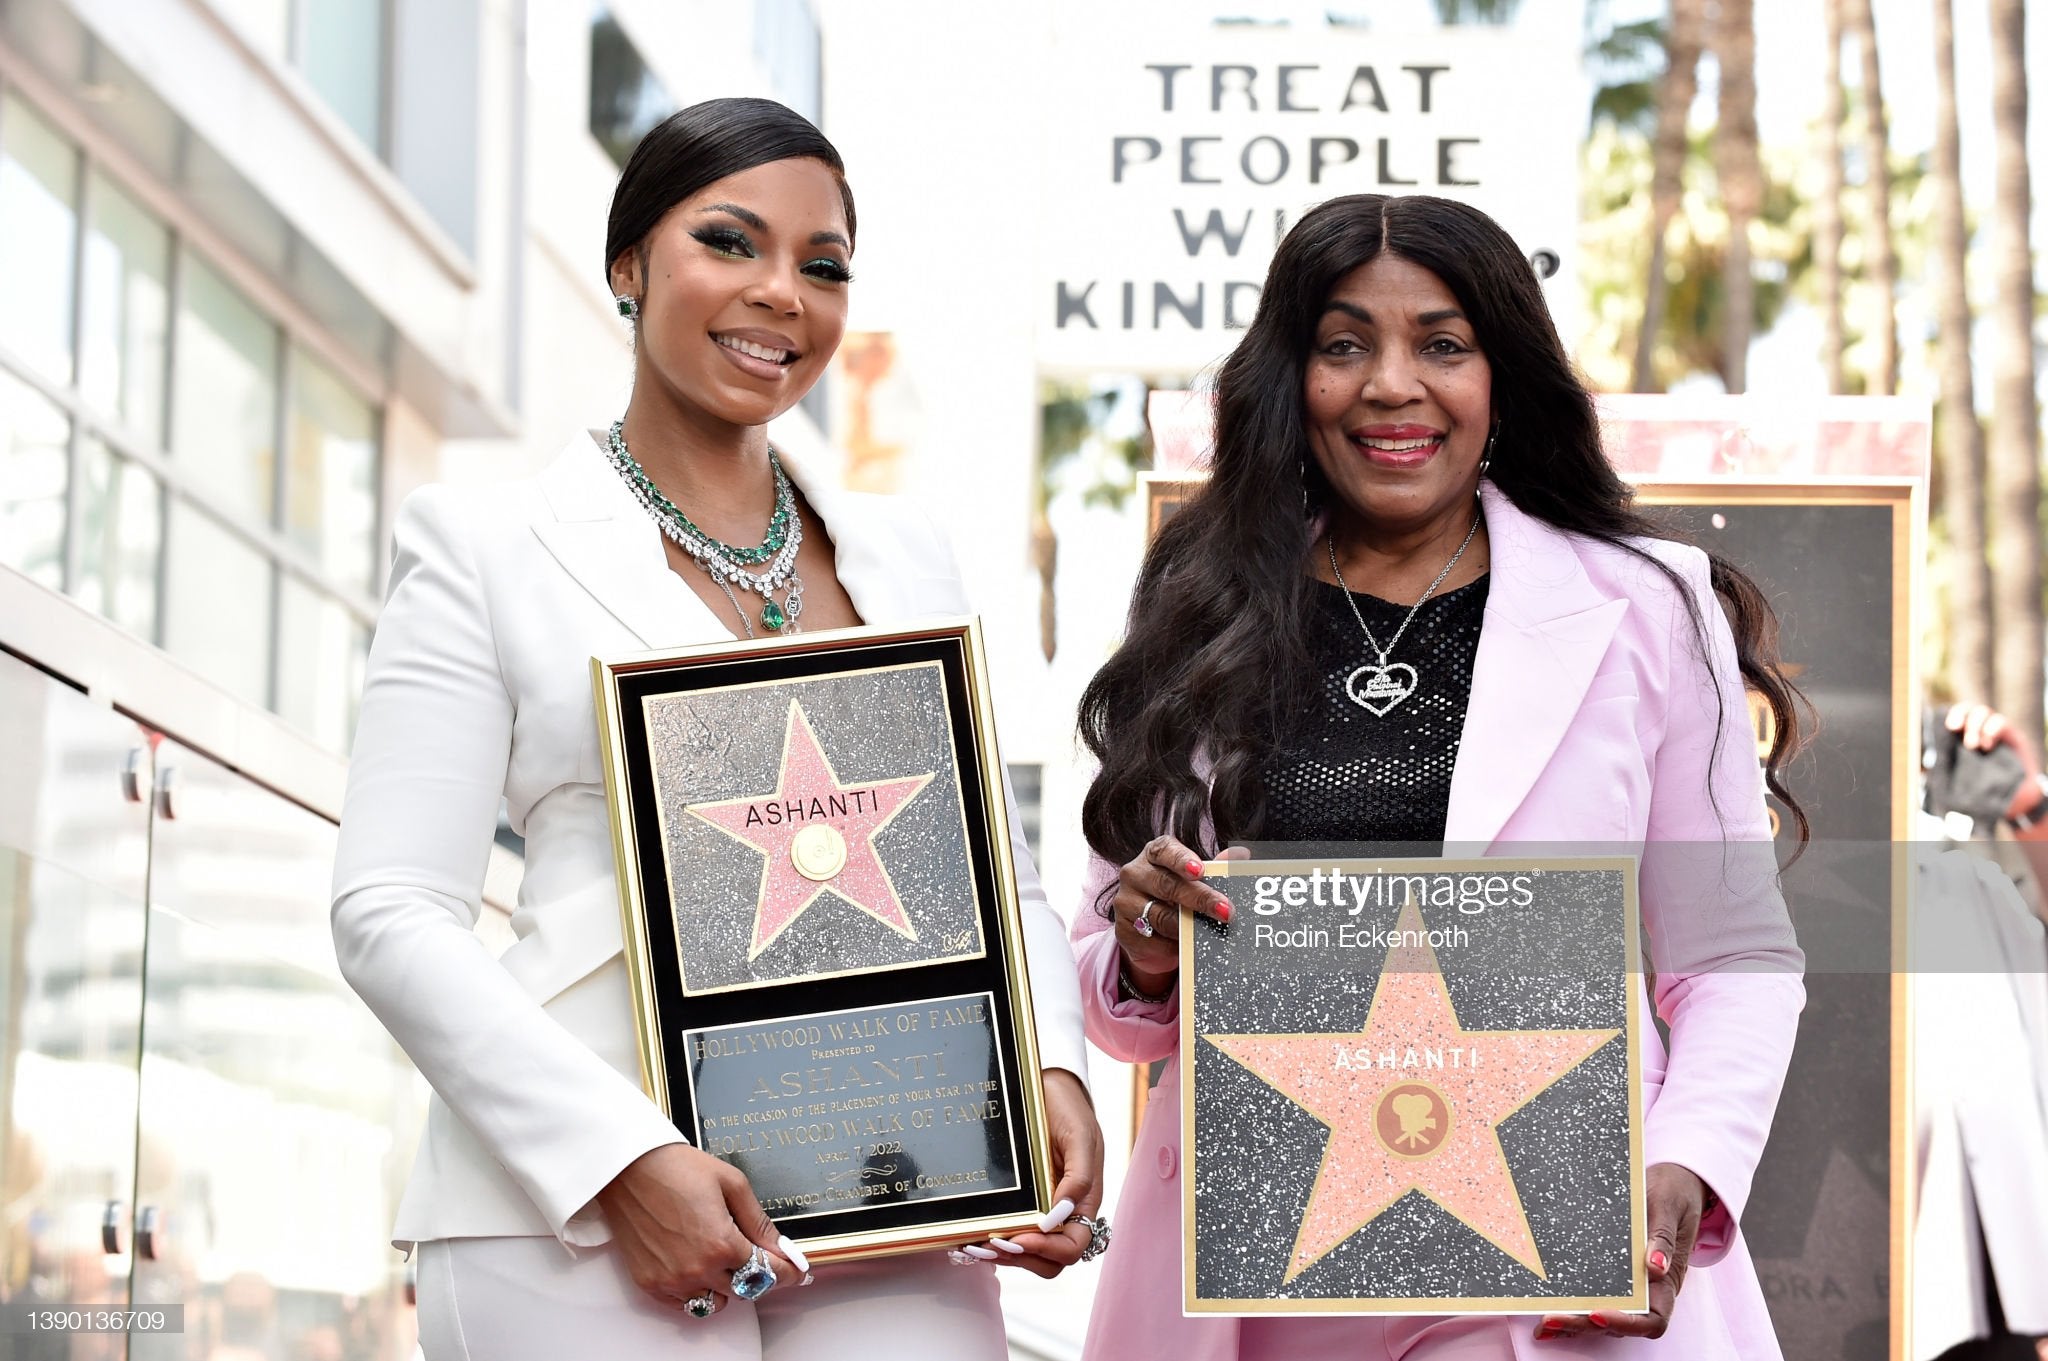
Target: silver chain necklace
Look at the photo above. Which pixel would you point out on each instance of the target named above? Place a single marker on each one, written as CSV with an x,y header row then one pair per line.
x,y
717,558
1387,685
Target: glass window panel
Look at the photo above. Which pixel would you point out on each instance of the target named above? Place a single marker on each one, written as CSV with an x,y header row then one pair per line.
x,y
73,856
35,439
224,411
122,529
331,495
217,604
344,59
276,1114
320,654
626,97
125,310
38,236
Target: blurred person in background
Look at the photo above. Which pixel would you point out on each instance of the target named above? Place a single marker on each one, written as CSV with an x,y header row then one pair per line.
x,y
1408,474
557,1210
1982,729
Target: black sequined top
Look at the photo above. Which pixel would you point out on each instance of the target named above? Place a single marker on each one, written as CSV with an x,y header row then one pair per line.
x,y
1346,775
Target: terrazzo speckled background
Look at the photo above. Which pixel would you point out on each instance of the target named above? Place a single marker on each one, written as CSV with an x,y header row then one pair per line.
x,y
873,726
1257,1152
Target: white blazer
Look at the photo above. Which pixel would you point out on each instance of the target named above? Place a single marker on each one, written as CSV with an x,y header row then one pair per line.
x,y
479,689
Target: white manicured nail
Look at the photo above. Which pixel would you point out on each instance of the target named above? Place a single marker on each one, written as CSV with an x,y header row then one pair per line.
x,y
1007,1246
979,1253
1056,1216
796,1258
808,1278
959,1258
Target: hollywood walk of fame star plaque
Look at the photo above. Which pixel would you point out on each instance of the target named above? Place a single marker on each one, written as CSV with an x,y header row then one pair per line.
x,y
1416,1089
821,923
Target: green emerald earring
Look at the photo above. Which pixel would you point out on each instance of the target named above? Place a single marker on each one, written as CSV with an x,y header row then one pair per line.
x,y
628,308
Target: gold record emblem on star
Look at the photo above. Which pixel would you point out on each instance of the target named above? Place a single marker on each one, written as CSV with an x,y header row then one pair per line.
x,y
1392,1130
816,833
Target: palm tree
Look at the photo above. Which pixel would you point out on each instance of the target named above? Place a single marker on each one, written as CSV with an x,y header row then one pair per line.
x,y
1684,29
1881,259
1070,418
2015,439
1827,209
1962,438
1739,167
1627,59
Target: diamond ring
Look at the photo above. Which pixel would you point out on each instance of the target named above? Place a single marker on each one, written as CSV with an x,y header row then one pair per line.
x,y
1098,1236
1142,923
755,1279
700,1306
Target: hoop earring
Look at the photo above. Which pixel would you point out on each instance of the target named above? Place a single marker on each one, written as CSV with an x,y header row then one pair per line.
x,y
628,306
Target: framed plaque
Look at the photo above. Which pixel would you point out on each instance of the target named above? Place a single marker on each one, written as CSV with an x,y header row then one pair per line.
x,y
1416,1088
1828,1224
821,924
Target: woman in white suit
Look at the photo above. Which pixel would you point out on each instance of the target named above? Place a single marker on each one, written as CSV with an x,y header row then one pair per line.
x,y
558,1212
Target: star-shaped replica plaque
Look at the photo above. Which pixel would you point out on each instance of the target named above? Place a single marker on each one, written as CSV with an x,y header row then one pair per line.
x,y
1412,1103
816,834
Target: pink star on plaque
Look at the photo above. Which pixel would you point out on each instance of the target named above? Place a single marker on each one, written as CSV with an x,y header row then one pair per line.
x,y
816,833
1412,1103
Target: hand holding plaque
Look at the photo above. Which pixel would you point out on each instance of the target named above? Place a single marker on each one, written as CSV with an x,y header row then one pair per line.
x,y
822,923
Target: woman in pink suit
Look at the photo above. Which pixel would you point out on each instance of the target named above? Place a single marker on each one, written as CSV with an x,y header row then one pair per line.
x,y
1416,605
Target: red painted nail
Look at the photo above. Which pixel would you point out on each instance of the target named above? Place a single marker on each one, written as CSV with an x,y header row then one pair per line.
x,y
1599,1319
1195,868
1223,913
1659,1260
1545,1334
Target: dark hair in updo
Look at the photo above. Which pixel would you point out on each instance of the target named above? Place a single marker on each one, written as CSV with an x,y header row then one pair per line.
x,y
1215,659
701,145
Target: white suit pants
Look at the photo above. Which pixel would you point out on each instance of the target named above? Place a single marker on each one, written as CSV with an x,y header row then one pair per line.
x,y
528,1299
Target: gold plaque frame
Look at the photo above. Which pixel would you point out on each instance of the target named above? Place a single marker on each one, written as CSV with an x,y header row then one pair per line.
x,y
1630,1033
1903,501
664,1011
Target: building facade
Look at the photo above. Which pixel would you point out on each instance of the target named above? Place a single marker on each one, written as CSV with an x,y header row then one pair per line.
x,y
265,266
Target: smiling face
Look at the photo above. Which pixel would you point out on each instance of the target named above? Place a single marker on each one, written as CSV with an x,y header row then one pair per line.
x,y
743,295
1399,399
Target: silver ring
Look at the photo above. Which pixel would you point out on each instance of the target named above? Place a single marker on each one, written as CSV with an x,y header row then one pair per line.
x,y
1142,923
754,1279
700,1306
1098,1236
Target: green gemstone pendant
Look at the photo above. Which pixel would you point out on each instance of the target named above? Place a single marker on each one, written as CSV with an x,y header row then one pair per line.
x,y
772,616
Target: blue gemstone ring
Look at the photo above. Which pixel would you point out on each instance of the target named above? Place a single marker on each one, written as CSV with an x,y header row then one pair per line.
x,y
755,1279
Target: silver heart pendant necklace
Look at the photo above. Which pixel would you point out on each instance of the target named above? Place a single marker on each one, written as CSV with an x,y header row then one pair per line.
x,y
1386,683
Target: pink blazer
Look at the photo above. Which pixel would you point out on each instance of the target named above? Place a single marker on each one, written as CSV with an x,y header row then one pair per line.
x,y
1591,719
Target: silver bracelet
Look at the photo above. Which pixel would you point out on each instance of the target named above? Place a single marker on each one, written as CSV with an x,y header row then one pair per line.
x,y
1131,990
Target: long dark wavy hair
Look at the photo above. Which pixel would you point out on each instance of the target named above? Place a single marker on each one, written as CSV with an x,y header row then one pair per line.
x,y
1215,654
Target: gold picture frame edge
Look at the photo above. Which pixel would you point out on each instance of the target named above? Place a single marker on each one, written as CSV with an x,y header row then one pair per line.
x,y
1907,499
1193,1306
966,630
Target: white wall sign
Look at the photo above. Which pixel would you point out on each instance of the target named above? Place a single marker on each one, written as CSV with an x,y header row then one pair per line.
x,y
1179,155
